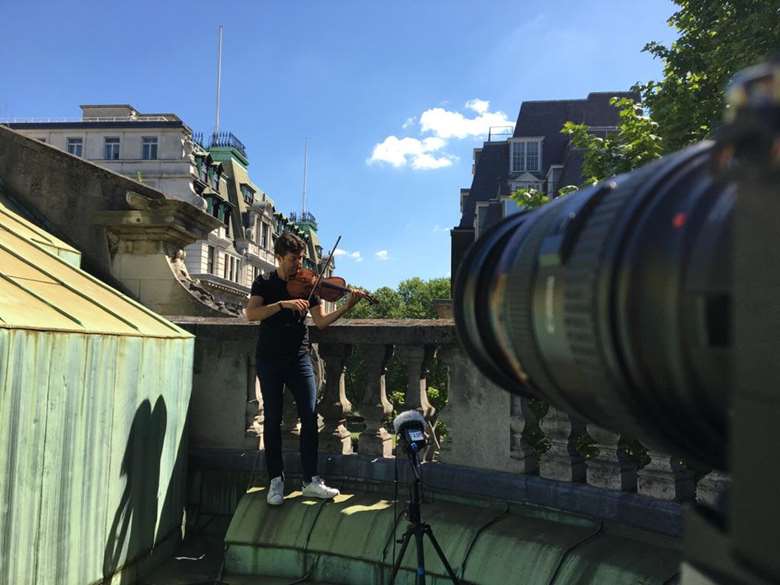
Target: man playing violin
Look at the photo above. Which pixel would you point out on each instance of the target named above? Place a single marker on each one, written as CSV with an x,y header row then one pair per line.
x,y
283,359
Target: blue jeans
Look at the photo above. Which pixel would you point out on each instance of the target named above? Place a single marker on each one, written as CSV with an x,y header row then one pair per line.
x,y
298,375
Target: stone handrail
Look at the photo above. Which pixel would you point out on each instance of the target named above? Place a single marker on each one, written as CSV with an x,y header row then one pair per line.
x,y
487,427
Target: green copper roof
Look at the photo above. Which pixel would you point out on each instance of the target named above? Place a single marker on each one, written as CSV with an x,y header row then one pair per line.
x,y
33,233
350,541
40,290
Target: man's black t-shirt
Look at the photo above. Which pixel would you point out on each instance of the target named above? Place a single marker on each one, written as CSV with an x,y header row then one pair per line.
x,y
283,334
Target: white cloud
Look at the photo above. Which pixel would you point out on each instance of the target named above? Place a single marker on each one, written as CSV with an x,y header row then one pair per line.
x,y
399,152
347,254
426,152
426,162
382,255
437,229
448,124
478,105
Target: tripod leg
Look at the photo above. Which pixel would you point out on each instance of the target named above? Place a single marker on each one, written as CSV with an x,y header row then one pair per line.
x,y
418,538
407,536
440,552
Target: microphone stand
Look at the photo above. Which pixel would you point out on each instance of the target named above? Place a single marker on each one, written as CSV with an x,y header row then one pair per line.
x,y
418,528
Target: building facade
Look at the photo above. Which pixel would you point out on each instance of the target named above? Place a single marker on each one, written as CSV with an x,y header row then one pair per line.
x,y
211,173
536,155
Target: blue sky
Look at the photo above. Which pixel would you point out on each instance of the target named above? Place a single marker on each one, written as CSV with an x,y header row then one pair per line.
x,y
392,96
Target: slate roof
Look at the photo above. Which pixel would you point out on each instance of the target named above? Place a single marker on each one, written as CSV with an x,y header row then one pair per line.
x,y
546,118
490,179
571,174
540,119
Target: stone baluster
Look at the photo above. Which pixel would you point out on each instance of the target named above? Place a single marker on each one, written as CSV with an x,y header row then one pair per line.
x,y
418,360
712,488
254,406
334,406
610,468
522,418
562,461
666,477
375,441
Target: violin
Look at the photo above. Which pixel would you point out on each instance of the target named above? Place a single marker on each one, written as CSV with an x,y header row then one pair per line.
x,y
304,283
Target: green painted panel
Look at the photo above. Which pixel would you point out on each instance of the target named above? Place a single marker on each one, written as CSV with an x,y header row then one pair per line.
x,y
22,440
91,453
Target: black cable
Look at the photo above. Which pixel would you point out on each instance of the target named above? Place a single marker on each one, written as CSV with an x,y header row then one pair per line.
x,y
479,532
571,548
395,505
673,579
307,574
394,528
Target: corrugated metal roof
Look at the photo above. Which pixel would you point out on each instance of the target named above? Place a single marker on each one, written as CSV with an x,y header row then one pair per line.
x,y
39,290
32,232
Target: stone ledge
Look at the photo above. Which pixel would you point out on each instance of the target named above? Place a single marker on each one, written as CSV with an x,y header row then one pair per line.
x,y
348,331
447,480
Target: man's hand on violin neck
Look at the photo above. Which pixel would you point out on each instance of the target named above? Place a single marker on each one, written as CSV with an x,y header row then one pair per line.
x,y
354,298
299,305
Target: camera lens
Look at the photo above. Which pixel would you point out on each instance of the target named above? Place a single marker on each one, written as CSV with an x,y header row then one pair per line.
x,y
614,303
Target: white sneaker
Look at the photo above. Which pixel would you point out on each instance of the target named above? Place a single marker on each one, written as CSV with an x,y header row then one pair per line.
x,y
275,495
317,489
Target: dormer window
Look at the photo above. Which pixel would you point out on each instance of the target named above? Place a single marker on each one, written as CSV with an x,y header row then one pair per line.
x,y
248,193
526,155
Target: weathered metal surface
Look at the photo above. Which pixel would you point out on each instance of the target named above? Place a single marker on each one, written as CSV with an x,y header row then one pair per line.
x,y
91,451
32,232
349,541
94,394
38,290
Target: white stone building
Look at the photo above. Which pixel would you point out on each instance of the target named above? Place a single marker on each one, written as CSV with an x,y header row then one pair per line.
x,y
160,151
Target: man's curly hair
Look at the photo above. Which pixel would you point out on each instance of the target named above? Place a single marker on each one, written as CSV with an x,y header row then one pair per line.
x,y
288,242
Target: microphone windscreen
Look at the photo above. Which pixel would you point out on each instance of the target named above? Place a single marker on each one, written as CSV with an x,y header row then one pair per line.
x,y
406,418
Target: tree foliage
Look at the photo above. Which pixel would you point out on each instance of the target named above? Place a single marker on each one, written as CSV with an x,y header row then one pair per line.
x,y
635,143
529,198
413,299
717,39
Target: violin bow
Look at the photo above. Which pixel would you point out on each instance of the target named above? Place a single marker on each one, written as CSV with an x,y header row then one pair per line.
x,y
323,269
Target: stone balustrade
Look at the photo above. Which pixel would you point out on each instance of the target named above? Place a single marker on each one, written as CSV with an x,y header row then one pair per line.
x,y
488,430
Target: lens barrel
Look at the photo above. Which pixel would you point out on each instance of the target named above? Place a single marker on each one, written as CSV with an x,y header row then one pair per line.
x,y
614,303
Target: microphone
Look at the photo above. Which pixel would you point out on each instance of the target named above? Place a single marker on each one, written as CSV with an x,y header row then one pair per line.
x,y
410,427
409,418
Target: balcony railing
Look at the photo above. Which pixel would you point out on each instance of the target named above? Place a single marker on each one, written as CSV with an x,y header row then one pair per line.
x,y
219,140
487,429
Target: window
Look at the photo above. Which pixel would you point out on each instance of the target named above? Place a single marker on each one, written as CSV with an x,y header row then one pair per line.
x,y
264,236
111,148
210,265
231,268
532,156
526,155
213,178
149,151
74,146
248,193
